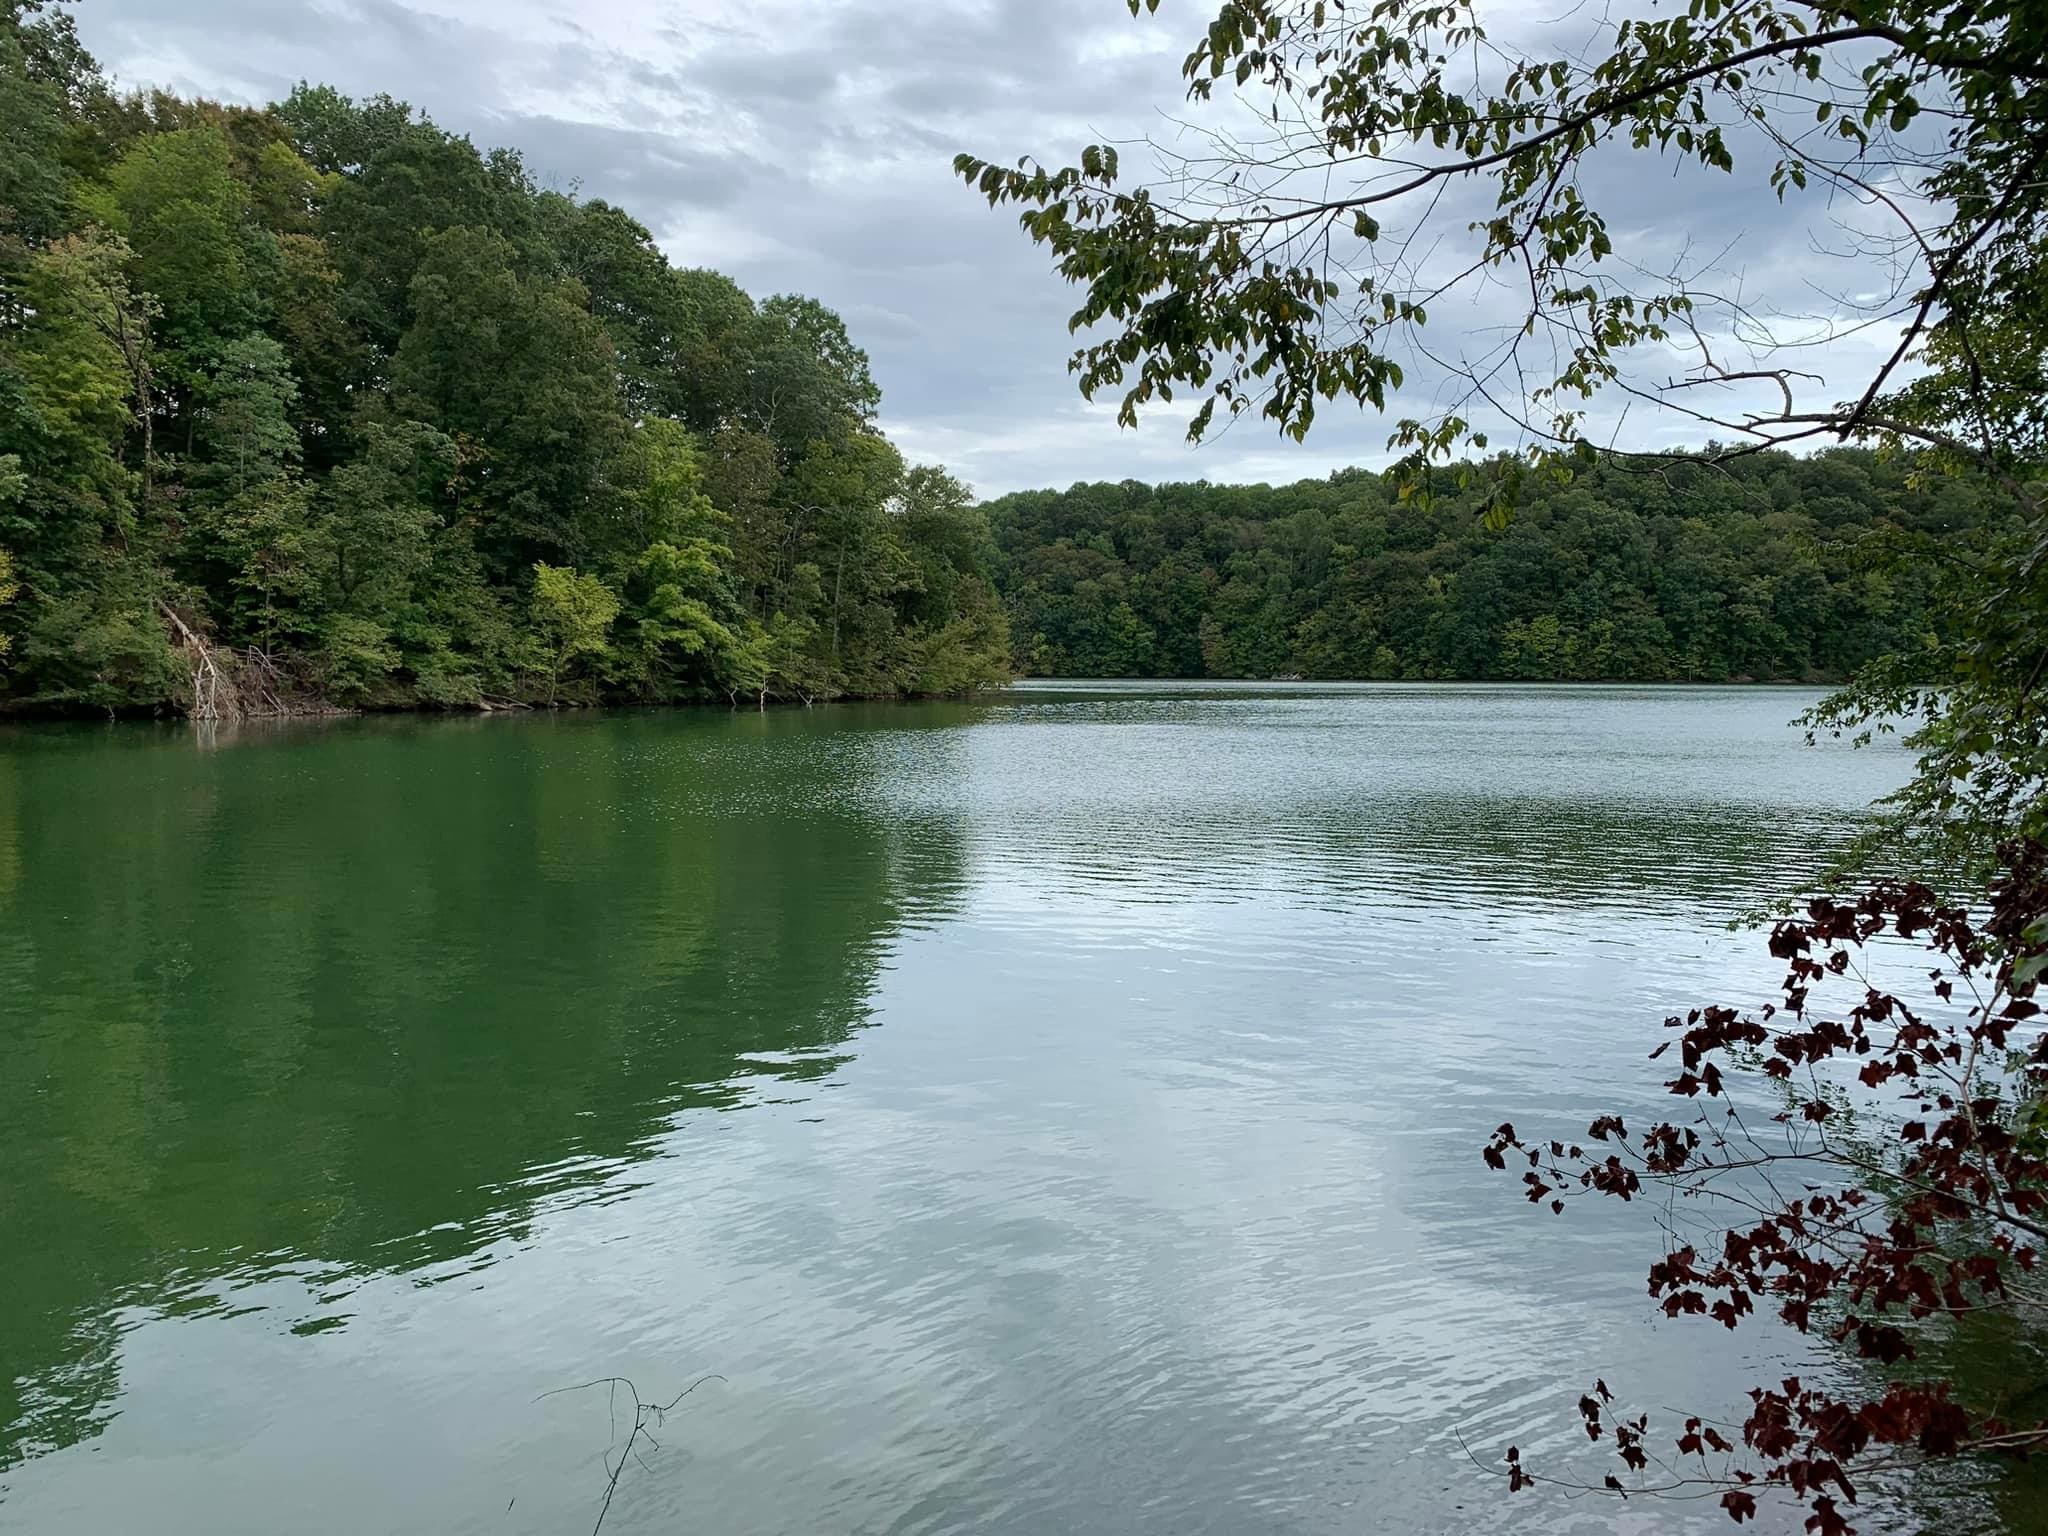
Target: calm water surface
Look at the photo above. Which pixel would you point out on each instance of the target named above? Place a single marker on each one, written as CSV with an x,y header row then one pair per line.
x,y
1054,1113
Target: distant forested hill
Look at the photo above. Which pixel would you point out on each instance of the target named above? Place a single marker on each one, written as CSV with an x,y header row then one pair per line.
x,y
1771,567
320,402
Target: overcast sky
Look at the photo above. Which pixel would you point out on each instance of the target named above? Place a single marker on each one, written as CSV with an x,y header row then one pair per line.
x,y
806,145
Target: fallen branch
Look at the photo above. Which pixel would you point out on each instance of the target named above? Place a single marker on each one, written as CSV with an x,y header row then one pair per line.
x,y
214,695
644,1414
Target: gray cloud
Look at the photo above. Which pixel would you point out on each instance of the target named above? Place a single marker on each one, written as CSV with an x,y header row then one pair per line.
x,y
806,145
635,168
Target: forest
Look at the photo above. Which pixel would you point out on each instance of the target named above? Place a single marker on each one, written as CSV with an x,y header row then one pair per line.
x,y
1771,567
319,405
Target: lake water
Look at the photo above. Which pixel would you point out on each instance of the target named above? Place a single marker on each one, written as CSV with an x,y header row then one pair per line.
x,y
1054,1113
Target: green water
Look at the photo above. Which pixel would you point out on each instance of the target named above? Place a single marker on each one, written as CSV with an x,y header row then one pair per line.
x,y
1052,1113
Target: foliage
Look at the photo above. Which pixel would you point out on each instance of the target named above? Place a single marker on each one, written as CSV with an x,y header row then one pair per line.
x,y
9,587
1772,567
1902,1184
1968,704
34,184
334,385
573,613
1285,269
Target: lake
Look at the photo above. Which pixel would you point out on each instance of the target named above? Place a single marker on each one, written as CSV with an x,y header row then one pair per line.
x,y
1055,1112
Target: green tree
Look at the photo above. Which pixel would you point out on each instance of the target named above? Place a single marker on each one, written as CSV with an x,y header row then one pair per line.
x,y
13,485
415,185
9,587
518,367
175,199
35,81
836,495
246,523
804,380
80,365
330,361
574,614
381,517
639,300
335,134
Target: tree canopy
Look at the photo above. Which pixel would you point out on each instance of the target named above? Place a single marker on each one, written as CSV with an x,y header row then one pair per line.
x,y
318,403
1774,568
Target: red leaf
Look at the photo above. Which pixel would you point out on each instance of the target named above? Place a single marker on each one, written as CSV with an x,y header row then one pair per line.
x,y
1826,1520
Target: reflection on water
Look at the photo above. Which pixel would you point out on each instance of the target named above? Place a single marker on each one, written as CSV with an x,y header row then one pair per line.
x,y
1052,1113
361,1000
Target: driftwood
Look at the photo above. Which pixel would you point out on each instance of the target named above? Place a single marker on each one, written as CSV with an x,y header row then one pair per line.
x,y
259,675
214,693
246,684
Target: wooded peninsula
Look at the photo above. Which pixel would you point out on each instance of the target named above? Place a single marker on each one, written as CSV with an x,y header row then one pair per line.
x,y
319,405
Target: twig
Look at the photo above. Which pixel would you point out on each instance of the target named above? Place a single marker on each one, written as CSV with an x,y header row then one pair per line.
x,y
643,1415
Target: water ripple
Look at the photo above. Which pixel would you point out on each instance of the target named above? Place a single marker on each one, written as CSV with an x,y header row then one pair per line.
x,y
1055,1113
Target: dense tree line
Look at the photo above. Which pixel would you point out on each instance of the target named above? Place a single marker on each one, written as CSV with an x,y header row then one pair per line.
x,y
321,402
1770,567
